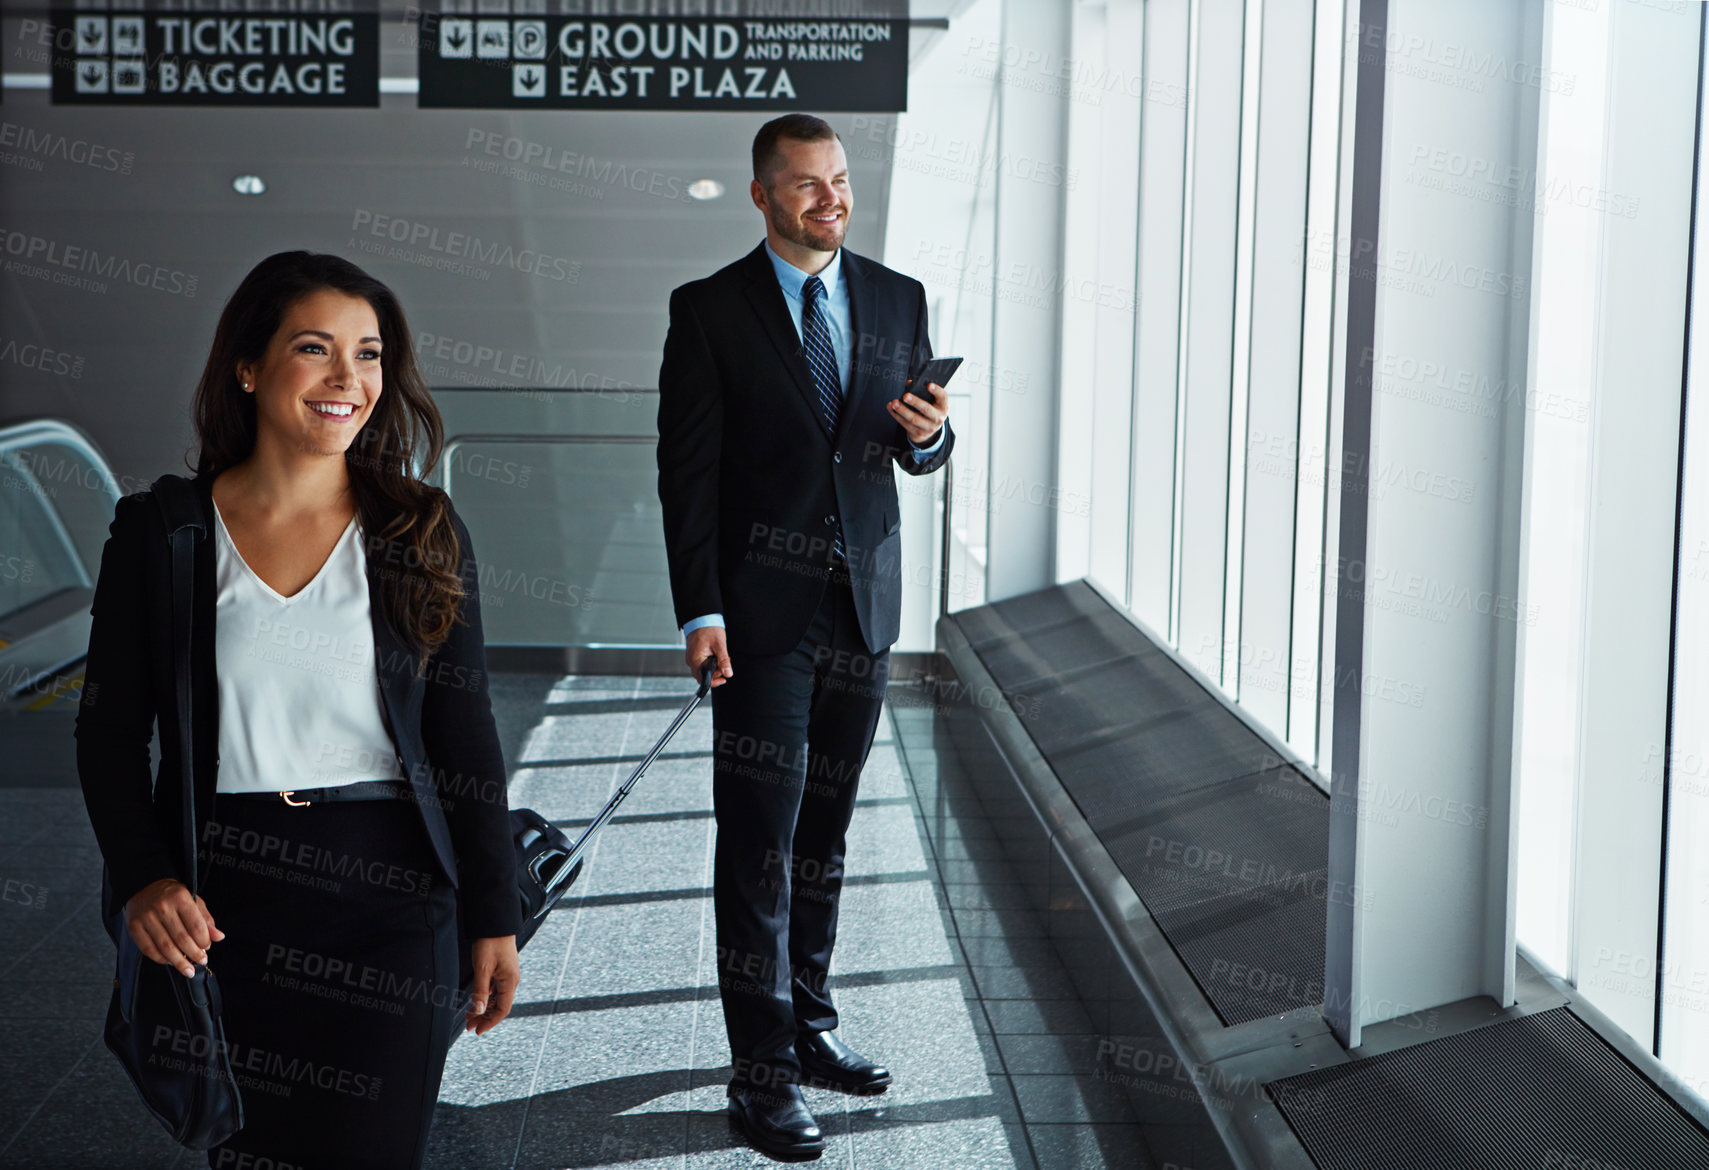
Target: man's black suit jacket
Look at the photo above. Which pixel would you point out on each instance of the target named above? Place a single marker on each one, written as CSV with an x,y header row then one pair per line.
x,y
749,479
441,720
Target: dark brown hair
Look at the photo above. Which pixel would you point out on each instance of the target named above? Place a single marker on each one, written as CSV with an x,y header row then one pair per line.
x,y
799,127
407,523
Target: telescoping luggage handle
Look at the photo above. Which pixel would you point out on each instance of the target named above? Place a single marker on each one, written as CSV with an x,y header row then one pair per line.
x,y
566,870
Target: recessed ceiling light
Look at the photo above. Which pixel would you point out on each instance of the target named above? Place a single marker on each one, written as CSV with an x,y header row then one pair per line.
x,y
249,185
706,188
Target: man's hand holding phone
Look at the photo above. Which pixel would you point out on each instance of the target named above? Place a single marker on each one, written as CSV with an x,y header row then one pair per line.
x,y
922,413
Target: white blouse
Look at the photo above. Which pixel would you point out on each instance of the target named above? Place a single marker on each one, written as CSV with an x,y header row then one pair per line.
x,y
299,689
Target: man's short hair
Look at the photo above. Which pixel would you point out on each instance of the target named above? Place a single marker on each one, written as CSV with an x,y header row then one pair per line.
x,y
799,127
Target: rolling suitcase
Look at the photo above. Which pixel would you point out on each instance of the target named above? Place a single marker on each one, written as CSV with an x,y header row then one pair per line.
x,y
547,861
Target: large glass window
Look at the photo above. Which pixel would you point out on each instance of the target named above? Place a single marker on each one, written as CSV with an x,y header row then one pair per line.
x,y
1685,930
1306,456
940,229
1237,172
1612,800
1563,327
1683,974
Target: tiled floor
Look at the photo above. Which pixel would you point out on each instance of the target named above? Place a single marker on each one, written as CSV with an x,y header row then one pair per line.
x,y
618,1056
615,1054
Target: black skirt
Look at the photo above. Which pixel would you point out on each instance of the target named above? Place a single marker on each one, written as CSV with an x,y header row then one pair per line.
x,y
338,972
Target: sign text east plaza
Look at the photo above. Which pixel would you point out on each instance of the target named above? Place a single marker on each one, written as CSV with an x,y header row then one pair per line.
x,y
513,61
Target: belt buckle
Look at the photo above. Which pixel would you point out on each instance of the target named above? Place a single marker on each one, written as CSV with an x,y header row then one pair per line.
x,y
286,797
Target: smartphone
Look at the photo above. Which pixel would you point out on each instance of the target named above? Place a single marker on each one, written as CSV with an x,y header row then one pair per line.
x,y
938,370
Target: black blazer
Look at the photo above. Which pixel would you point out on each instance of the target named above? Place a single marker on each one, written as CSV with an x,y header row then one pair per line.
x,y
440,721
750,481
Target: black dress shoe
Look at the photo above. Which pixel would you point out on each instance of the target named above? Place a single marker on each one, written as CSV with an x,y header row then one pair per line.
x,y
827,1062
776,1121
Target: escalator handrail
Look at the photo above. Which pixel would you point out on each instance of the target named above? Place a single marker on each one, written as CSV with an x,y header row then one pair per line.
x,y
44,432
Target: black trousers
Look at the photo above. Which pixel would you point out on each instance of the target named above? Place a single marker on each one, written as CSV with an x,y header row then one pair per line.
x,y
339,978
791,733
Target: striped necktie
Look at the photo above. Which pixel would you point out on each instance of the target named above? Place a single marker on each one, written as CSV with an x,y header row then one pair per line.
x,y
822,361
821,358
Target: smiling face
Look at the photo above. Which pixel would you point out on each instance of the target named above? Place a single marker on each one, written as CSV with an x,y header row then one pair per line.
x,y
808,201
320,378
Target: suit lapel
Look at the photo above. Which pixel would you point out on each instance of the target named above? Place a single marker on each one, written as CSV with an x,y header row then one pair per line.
x,y
766,297
863,320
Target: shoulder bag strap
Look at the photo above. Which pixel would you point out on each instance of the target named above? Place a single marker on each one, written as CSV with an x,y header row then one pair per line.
x,y
181,510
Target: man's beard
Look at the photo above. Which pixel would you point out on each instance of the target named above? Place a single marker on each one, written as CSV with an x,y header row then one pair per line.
x,y
820,238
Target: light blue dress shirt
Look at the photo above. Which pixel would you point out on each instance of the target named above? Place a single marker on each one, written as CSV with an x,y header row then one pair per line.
x,y
836,306
839,321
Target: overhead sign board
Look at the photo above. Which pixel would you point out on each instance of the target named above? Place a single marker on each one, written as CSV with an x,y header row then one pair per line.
x,y
661,63
189,58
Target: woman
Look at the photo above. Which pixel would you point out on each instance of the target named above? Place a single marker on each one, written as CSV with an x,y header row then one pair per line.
x,y
338,665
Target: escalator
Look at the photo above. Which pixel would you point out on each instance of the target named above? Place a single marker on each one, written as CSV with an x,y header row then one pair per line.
x,y
57,495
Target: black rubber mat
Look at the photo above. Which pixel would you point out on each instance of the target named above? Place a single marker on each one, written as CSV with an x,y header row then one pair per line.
x,y
1125,771
1542,1092
1029,612
1077,704
1226,845
1088,639
1267,830
1235,875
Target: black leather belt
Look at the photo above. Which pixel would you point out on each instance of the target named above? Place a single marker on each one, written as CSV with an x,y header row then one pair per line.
x,y
361,790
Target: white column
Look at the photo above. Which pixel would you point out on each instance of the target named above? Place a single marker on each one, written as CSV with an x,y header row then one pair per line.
x,y
1420,903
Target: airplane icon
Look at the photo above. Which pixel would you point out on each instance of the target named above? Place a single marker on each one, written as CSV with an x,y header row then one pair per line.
x,y
127,34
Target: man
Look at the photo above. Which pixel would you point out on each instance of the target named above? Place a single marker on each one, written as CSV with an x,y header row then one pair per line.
x,y
784,406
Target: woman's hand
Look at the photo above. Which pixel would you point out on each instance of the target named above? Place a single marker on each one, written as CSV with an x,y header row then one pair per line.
x,y
171,925
497,973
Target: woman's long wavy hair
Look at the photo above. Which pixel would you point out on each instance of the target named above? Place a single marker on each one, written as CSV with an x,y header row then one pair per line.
x,y
411,542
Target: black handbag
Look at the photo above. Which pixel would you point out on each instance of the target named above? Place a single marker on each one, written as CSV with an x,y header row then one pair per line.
x,y
163,1026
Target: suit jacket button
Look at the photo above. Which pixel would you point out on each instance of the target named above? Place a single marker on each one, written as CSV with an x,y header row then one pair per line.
x,y
837,458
